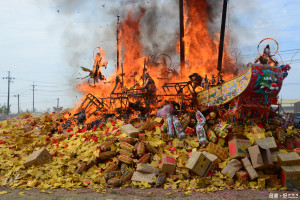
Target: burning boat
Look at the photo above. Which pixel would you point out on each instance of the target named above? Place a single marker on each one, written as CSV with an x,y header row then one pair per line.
x,y
141,85
253,92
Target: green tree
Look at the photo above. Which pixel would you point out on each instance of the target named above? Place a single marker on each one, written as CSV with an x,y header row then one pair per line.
x,y
3,108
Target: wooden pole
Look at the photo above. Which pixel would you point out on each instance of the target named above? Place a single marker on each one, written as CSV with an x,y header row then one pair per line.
x,y
221,44
118,45
182,55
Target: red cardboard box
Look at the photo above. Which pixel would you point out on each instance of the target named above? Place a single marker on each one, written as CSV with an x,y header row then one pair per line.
x,y
238,148
290,177
168,164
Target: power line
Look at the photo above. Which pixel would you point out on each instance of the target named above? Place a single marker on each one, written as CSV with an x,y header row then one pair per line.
x,y
22,88
288,50
25,92
54,84
54,90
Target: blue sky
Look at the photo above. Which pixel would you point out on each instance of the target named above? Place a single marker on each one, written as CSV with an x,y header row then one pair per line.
x,y
44,47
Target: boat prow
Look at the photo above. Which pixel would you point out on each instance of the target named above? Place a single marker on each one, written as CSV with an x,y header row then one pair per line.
x,y
258,86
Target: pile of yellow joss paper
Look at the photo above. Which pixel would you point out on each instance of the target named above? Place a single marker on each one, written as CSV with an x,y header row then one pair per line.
x,y
71,148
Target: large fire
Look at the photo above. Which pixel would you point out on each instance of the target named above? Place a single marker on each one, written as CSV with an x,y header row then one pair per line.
x,y
201,52
200,49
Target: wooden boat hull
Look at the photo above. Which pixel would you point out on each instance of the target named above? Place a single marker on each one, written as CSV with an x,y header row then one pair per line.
x,y
257,87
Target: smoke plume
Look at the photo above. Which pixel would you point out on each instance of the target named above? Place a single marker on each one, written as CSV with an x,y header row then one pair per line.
x,y
89,24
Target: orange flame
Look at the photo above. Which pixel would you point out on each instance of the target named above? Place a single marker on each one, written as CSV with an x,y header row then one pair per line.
x,y
201,52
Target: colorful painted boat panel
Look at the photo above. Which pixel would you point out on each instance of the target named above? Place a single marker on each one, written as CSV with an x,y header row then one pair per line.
x,y
259,85
224,93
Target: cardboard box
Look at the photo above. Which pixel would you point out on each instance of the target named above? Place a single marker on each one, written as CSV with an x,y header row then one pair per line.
x,y
238,148
147,168
168,164
268,142
201,162
288,159
290,177
141,176
232,167
217,150
130,130
249,168
260,157
38,157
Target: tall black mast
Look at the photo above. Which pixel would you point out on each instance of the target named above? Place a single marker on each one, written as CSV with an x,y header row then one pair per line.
x,y
221,44
118,45
182,56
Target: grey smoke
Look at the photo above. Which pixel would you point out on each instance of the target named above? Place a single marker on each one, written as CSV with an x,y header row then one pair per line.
x,y
89,24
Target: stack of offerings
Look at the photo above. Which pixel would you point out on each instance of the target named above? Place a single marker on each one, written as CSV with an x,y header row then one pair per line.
x,y
290,169
214,153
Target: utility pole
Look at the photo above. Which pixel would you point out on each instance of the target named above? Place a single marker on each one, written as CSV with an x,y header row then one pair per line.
x,y
18,102
57,102
33,97
8,91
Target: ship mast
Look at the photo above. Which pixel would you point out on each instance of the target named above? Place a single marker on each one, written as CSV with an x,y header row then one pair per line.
x,y
182,56
221,44
118,45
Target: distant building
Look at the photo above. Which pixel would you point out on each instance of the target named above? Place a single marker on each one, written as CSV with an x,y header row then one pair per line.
x,y
290,110
290,105
297,107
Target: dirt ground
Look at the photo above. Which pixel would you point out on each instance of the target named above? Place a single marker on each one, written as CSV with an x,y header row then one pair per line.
x,y
134,194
